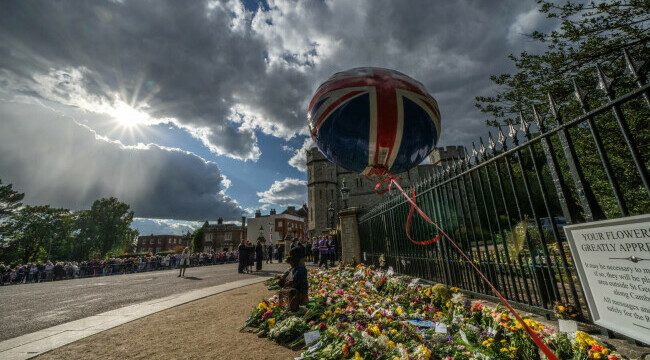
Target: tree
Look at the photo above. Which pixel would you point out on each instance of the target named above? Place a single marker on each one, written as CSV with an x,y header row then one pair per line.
x,y
105,227
9,200
33,231
588,34
198,239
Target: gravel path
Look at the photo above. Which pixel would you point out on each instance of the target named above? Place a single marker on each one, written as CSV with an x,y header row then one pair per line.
x,y
31,307
203,329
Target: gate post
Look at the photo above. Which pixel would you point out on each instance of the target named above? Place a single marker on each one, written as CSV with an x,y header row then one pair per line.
x,y
350,241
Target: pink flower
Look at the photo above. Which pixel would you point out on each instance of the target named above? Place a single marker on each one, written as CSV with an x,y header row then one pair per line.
x,y
267,314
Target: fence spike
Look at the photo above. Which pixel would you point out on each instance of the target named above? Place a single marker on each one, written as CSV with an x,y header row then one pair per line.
x,y
524,124
468,160
483,149
604,82
512,131
475,154
491,144
580,94
553,106
635,68
538,119
502,138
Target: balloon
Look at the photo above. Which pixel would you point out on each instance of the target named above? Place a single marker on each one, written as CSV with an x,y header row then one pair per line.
x,y
374,121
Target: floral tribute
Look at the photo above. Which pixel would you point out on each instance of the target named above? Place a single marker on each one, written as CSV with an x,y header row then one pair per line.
x,y
362,313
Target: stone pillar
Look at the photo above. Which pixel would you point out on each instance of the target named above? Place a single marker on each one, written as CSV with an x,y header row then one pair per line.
x,y
350,242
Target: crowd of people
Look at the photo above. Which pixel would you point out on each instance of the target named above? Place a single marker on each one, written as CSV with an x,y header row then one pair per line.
x,y
321,251
65,270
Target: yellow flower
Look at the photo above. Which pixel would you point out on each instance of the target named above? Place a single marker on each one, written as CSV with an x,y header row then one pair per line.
x,y
399,311
271,322
503,350
560,308
391,344
357,356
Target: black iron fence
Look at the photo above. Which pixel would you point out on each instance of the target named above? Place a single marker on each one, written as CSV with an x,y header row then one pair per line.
x,y
505,203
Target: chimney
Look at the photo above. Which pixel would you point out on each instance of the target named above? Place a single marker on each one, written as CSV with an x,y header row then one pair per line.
x,y
243,222
258,213
220,220
272,212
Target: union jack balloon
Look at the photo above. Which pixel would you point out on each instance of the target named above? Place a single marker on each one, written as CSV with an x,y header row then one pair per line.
x,y
374,121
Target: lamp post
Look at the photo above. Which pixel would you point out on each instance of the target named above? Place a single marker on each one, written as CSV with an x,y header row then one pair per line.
x,y
345,194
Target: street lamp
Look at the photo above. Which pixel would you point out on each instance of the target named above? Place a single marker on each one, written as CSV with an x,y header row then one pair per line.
x,y
345,194
330,211
261,231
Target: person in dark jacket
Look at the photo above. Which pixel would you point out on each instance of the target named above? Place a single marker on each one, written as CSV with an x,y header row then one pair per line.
x,y
250,250
269,253
243,256
280,253
259,255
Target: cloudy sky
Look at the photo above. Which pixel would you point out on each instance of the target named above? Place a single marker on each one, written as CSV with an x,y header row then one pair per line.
x,y
191,110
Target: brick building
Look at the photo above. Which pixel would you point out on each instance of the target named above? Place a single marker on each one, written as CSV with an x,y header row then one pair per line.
x,y
223,236
282,226
157,243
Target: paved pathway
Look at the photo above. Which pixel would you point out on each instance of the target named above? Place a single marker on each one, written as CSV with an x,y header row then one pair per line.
x,y
27,308
30,345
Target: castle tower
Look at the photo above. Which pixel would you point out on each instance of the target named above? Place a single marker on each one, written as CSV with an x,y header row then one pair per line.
x,y
321,190
442,156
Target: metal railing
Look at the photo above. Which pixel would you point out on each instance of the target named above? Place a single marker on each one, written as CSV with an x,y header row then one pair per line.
x,y
505,204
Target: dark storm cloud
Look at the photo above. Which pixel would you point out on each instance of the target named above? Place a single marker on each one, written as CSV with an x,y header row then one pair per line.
x,y
56,161
182,54
220,66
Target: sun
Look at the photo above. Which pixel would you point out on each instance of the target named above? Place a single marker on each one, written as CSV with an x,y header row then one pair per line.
x,y
128,117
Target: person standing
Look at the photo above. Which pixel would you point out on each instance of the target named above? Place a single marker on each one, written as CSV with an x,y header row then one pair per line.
x,y
250,249
280,253
269,253
185,262
332,247
259,255
314,250
243,256
307,250
324,251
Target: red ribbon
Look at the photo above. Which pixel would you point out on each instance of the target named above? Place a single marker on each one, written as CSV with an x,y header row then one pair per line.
x,y
533,335
408,224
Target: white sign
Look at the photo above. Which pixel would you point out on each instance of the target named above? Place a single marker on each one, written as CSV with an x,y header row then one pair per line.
x,y
613,261
568,326
311,337
441,328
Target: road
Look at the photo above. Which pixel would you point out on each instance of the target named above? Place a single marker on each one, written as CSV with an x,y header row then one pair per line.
x,y
30,307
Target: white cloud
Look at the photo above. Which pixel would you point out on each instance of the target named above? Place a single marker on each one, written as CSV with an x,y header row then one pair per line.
x,y
164,226
299,158
285,192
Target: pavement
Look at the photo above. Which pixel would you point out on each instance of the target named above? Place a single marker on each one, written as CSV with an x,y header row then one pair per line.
x,y
27,308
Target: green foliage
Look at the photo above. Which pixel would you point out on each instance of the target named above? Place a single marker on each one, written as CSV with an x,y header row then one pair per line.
x,y
588,34
140,254
38,233
9,201
32,230
198,239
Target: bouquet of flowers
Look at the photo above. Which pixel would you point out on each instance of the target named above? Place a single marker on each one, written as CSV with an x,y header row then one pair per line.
x,y
363,313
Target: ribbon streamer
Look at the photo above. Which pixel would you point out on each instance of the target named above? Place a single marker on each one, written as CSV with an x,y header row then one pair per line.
x,y
408,225
533,335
